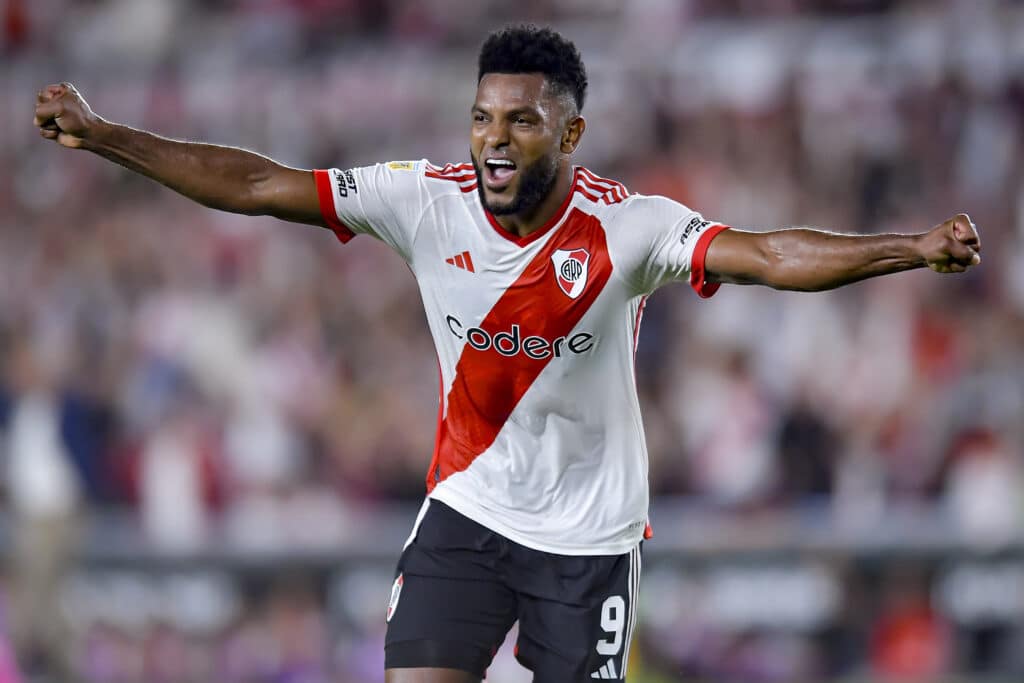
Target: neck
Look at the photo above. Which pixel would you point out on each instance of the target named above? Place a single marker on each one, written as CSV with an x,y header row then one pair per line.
x,y
526,222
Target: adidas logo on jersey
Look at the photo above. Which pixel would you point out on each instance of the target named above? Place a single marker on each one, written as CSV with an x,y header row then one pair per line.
x,y
462,260
606,672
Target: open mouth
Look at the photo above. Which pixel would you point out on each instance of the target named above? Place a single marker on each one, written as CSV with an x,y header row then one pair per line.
x,y
498,173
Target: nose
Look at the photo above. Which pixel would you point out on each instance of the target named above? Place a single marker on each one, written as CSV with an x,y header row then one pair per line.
x,y
496,135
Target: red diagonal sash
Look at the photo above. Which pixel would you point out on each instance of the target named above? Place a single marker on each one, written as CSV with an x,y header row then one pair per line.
x,y
488,385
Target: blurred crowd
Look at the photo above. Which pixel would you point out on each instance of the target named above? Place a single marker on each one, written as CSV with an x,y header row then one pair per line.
x,y
237,380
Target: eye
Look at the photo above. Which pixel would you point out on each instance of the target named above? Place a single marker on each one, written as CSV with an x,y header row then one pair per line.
x,y
479,118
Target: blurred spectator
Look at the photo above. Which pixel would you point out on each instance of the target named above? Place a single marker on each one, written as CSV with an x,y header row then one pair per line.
x,y
176,485
984,488
910,640
43,489
807,450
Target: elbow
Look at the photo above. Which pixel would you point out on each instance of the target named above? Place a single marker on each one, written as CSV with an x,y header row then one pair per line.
x,y
257,195
801,281
772,267
239,204
800,287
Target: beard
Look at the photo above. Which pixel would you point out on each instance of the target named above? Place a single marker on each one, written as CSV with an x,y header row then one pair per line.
x,y
536,182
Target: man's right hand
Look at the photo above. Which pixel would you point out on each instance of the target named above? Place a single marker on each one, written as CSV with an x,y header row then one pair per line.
x,y
225,178
62,114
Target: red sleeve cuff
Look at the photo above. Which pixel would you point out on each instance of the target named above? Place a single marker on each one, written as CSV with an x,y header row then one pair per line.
x,y
327,211
703,288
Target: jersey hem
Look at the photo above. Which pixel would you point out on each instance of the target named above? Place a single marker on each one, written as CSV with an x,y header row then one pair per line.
x,y
465,507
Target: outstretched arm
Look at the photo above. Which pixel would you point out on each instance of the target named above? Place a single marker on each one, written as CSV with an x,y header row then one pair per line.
x,y
225,178
812,260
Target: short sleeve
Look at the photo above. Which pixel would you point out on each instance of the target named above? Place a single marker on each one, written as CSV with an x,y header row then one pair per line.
x,y
674,241
384,200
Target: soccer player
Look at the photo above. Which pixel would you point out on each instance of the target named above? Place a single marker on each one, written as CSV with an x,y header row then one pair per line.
x,y
533,273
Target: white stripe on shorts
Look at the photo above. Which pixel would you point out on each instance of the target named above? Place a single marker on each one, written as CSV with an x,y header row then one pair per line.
x,y
634,590
416,526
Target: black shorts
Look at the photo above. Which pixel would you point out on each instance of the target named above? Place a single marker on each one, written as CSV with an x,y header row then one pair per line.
x,y
460,587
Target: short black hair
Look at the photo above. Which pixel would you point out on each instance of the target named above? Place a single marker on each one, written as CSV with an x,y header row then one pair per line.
x,y
525,48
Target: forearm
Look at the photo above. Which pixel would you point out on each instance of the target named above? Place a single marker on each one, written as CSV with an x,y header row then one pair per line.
x,y
812,260
225,178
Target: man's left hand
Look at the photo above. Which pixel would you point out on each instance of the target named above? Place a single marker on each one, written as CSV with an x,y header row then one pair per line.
x,y
952,246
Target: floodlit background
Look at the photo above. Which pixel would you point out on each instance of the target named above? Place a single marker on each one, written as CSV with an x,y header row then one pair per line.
x,y
214,429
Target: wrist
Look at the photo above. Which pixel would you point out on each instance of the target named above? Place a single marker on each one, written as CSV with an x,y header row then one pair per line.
x,y
918,250
99,135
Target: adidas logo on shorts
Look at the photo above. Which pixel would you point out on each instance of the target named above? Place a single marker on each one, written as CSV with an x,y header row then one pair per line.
x,y
606,672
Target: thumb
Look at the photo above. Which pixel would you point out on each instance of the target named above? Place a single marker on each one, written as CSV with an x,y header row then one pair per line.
x,y
69,140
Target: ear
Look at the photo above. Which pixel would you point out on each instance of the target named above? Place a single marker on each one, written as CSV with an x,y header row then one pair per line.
x,y
572,134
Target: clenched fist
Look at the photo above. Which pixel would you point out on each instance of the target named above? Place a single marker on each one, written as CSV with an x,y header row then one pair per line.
x,y
62,114
952,246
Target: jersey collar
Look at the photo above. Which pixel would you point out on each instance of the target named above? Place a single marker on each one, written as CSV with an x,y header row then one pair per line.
x,y
542,230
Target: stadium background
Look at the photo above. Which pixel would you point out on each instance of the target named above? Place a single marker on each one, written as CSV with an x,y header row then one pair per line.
x,y
214,429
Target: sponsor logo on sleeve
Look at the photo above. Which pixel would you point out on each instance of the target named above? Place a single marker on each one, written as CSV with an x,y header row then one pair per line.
x,y
402,165
345,183
696,224
571,270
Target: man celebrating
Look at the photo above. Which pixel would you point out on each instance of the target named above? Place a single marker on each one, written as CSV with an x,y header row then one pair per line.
x,y
533,274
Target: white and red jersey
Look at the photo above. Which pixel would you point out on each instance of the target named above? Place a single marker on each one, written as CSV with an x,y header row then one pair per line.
x,y
539,434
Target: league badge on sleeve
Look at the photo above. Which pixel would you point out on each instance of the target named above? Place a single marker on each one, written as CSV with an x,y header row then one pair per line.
x,y
571,270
